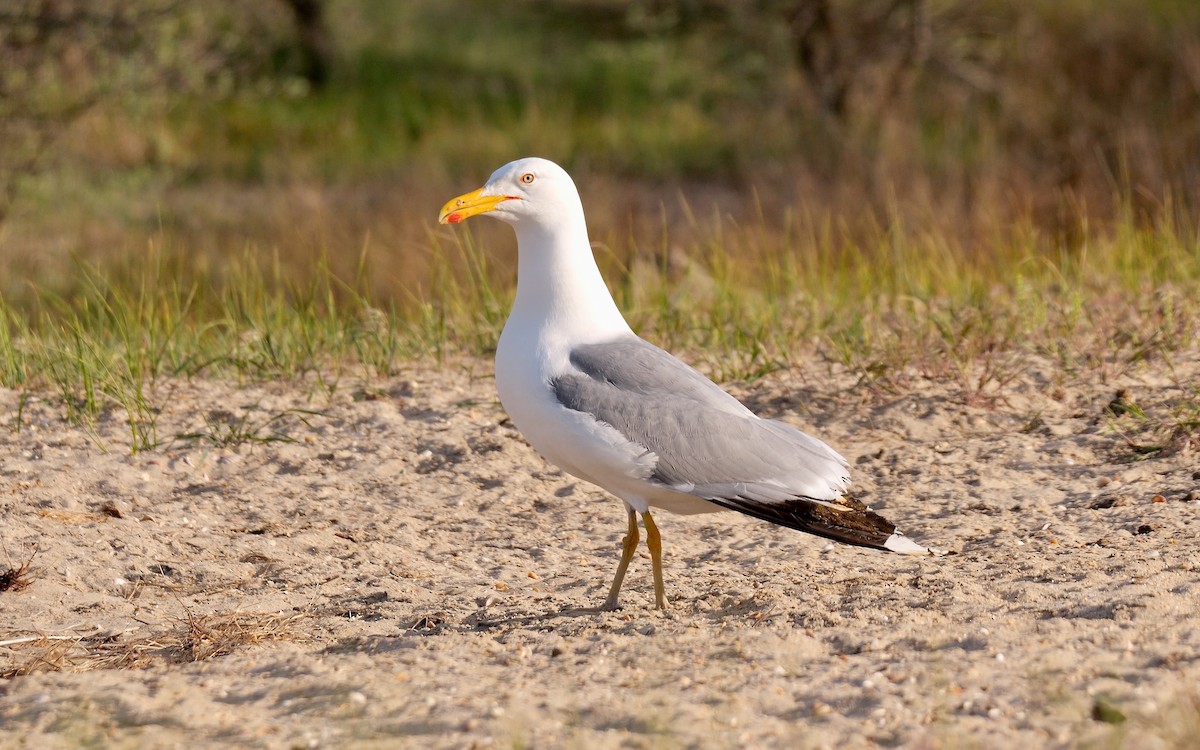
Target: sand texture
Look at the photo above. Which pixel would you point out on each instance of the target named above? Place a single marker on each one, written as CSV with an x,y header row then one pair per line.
x,y
404,571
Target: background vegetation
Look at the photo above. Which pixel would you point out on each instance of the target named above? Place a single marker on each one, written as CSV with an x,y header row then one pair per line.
x,y
252,187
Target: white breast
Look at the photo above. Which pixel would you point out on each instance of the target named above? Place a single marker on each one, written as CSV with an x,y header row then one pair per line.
x,y
526,364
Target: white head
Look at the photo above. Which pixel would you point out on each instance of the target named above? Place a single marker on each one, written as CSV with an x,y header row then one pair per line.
x,y
529,190
560,293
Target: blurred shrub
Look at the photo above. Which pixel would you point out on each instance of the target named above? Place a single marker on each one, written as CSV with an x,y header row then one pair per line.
x,y
59,59
972,111
1049,104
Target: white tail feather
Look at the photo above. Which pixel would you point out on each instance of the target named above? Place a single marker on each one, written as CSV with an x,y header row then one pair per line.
x,y
897,542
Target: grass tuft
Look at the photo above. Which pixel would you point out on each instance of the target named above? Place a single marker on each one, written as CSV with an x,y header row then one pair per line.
x,y
224,429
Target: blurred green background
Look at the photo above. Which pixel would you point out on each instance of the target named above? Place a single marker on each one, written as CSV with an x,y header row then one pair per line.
x,y
294,130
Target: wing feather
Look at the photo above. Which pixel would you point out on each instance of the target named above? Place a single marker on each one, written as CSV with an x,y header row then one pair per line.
x,y
707,444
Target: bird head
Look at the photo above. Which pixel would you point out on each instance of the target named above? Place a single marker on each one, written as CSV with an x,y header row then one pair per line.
x,y
522,190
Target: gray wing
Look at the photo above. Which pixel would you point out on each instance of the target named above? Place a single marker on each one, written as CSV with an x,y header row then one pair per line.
x,y
707,444
637,367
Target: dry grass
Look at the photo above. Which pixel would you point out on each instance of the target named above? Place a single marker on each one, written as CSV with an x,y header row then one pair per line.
x,y
193,638
16,578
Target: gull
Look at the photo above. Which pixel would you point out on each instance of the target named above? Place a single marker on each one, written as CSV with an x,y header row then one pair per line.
x,y
614,410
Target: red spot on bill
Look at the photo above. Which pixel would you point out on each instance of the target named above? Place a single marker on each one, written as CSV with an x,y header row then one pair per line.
x,y
454,218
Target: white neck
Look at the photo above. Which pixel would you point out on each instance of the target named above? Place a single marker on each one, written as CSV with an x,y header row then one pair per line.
x,y
560,291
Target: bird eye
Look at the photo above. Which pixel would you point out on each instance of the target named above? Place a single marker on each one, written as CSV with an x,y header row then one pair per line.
x,y
527,178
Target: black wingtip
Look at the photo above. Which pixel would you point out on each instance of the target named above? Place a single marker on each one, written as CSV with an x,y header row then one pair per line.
x,y
857,524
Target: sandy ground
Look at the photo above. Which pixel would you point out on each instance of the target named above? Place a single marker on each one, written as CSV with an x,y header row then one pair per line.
x,y
408,573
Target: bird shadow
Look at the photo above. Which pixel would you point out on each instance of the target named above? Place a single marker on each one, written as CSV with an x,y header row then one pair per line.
x,y
485,621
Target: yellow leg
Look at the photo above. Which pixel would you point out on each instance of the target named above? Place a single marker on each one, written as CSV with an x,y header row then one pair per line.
x,y
654,544
628,547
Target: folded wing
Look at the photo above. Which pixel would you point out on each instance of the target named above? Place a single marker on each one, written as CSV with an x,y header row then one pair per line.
x,y
708,445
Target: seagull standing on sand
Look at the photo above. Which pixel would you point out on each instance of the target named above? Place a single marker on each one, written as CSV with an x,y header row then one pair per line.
x,y
612,409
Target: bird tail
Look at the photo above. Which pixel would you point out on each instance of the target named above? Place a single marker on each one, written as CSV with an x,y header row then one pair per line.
x,y
843,520
897,542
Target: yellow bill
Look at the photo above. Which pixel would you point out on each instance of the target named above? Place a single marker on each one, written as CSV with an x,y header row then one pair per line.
x,y
469,204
